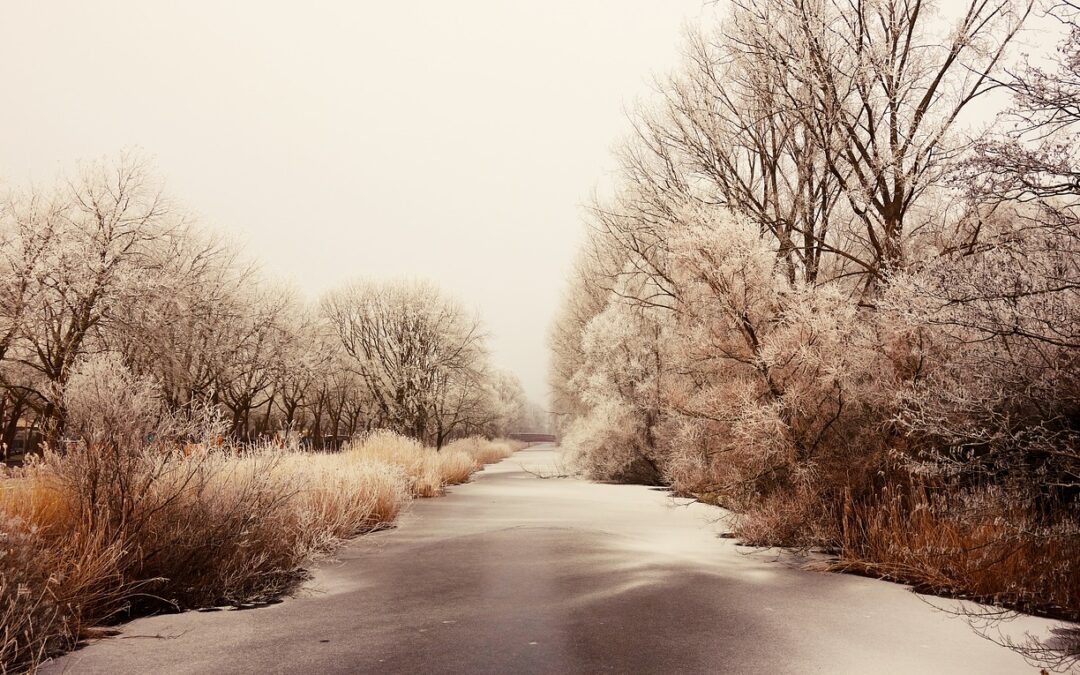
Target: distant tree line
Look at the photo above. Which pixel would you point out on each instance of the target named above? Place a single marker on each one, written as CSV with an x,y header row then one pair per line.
x,y
104,274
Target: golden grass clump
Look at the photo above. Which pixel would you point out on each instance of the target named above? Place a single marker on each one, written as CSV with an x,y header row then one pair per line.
x,y
46,590
36,498
427,470
105,533
979,545
328,505
483,450
98,535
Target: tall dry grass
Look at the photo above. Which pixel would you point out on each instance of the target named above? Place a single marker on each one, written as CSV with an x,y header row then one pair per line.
x,y
484,451
428,470
103,534
979,544
49,589
83,545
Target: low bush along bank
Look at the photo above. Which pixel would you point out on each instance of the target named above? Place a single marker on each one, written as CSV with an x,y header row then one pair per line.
x,y
103,534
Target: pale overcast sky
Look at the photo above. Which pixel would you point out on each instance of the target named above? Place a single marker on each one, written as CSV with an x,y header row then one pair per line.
x,y
450,140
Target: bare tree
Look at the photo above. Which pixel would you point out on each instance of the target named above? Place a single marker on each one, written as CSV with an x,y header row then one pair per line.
x,y
830,124
411,345
95,255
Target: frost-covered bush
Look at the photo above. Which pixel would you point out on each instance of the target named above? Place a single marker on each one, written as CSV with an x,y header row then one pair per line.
x,y
775,388
607,444
620,383
999,397
109,407
755,391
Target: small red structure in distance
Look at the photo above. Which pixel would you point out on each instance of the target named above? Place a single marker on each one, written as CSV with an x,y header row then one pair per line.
x,y
533,438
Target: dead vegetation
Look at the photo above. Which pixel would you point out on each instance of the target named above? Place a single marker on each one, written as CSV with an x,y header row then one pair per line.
x,y
103,534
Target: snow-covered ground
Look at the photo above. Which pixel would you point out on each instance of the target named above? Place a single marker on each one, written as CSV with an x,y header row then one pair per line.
x,y
517,574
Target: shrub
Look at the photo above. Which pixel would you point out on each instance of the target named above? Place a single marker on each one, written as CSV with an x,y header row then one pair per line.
x,y
607,445
103,534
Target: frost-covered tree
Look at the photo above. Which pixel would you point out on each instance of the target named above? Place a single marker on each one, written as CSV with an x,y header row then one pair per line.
x,y
414,348
104,274
92,250
829,124
812,298
620,382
